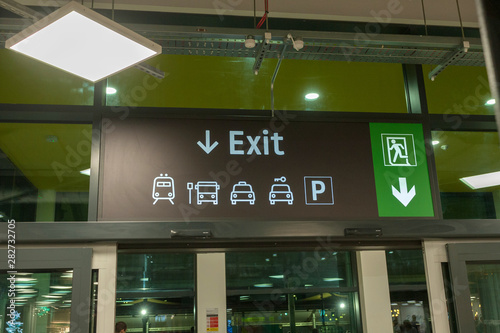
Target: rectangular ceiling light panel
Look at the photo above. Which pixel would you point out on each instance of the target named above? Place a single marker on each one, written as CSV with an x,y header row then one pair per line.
x,y
482,181
80,41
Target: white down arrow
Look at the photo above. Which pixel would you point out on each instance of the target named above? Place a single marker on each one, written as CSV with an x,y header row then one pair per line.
x,y
403,195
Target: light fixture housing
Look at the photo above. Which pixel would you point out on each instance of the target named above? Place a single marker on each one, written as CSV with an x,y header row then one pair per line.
x,y
80,41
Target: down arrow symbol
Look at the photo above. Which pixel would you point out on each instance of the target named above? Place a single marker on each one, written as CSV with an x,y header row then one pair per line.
x,y
403,195
207,148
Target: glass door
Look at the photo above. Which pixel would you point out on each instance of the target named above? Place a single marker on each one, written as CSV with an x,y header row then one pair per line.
x,y
45,291
475,277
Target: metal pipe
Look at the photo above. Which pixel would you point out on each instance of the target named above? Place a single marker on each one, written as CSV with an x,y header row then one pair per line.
x,y
267,15
281,57
425,19
254,13
460,18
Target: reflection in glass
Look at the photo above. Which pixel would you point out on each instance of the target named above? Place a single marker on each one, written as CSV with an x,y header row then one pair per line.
x,y
466,154
408,291
233,85
484,284
40,168
156,291
458,90
283,292
43,300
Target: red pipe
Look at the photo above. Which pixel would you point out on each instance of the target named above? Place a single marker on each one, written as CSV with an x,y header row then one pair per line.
x,y
264,18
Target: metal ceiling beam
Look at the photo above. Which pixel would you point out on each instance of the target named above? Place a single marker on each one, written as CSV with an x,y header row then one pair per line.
x,y
21,10
330,46
452,59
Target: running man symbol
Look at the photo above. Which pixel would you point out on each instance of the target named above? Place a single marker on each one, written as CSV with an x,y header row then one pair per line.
x,y
399,150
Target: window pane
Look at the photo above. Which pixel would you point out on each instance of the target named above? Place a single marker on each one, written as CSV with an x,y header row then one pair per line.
x,y
40,171
408,291
466,154
484,284
271,292
458,90
230,83
28,81
255,270
43,300
156,290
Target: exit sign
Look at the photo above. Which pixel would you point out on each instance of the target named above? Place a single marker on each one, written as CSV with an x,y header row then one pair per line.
x,y
198,170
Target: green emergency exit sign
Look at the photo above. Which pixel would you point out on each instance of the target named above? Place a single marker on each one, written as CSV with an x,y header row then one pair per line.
x,y
401,173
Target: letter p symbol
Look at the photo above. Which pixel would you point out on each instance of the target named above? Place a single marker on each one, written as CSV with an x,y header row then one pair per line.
x,y
318,187
318,190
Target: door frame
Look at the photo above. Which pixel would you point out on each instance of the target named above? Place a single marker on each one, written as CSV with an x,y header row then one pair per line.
x,y
458,256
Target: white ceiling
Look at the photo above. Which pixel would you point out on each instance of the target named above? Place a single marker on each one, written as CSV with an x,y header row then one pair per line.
x,y
438,12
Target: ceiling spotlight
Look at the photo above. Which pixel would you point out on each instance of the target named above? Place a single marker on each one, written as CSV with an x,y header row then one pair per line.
x,y
143,312
85,172
312,96
110,91
250,42
80,41
298,44
491,102
435,142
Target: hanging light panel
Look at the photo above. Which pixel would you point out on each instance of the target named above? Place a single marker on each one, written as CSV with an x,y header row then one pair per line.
x,y
80,41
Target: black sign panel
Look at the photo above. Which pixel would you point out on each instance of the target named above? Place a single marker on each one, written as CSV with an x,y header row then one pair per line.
x,y
200,170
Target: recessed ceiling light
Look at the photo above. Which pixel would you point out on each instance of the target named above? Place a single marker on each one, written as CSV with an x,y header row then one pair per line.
x,y
491,102
110,91
482,181
263,285
435,142
85,172
80,41
312,96
25,279
276,276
